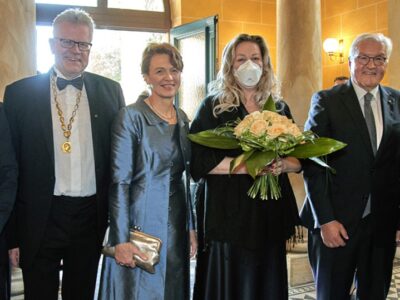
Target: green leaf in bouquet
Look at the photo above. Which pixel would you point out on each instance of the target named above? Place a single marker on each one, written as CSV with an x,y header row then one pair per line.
x,y
322,163
240,159
319,147
258,160
270,104
211,139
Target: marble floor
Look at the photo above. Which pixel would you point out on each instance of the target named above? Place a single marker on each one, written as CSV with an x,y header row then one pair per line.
x,y
303,292
307,291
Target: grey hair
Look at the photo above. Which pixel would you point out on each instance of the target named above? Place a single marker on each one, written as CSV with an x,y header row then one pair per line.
x,y
75,16
377,37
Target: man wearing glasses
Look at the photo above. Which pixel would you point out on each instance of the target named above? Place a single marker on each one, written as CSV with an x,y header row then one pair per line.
x,y
352,215
60,128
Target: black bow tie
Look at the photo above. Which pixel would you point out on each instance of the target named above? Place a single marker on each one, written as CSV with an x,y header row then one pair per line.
x,y
77,83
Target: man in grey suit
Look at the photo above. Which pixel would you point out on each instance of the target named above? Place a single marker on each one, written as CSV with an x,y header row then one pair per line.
x,y
60,128
352,215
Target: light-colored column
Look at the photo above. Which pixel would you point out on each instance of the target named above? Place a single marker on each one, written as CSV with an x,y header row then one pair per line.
x,y
299,53
299,61
394,25
17,41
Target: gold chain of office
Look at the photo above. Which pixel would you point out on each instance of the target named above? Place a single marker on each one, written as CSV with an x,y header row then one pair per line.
x,y
66,147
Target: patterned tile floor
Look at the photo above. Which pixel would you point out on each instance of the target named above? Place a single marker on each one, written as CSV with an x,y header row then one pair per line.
x,y
307,291
303,292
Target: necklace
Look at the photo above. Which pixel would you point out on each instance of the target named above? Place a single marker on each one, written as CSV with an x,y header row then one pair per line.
x,y
163,116
66,147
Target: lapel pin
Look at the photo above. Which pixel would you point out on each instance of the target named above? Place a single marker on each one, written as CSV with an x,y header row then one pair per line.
x,y
390,102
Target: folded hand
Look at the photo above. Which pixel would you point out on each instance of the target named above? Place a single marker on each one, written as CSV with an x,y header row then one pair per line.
x,y
124,254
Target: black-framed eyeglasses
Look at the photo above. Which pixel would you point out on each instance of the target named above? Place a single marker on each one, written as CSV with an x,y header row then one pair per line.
x,y
68,44
365,59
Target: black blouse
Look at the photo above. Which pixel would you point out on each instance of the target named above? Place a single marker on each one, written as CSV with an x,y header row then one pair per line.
x,y
230,214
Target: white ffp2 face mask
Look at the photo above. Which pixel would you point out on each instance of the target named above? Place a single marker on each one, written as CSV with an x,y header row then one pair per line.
x,y
248,74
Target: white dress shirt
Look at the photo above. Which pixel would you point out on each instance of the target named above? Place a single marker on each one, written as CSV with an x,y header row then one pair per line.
x,y
75,171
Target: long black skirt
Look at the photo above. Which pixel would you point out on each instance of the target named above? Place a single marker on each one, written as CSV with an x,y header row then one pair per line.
x,y
228,272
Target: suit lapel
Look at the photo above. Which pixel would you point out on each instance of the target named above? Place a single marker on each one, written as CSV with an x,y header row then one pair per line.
x,y
183,123
44,112
351,103
94,100
387,104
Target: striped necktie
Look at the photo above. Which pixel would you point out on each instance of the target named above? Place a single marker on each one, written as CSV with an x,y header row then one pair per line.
x,y
370,120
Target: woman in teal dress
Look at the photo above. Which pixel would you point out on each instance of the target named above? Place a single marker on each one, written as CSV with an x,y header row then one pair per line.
x,y
150,163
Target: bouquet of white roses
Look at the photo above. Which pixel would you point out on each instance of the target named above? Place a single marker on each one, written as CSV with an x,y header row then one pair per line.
x,y
265,137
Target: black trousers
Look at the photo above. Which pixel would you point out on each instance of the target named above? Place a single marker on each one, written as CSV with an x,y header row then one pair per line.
x,y
70,237
369,263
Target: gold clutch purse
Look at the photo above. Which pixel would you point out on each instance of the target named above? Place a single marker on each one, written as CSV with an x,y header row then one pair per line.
x,y
146,243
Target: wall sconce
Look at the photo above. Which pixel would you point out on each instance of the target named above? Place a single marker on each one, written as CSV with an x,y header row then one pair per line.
x,y
334,48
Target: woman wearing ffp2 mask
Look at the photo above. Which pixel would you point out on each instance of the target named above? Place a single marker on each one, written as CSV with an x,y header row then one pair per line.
x,y
244,255
248,74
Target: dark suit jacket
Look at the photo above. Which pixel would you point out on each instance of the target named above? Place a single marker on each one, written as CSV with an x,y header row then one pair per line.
x,y
336,113
27,106
8,171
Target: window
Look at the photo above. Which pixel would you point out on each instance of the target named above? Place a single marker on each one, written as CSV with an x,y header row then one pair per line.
x,y
197,43
118,41
150,5
115,54
70,2
141,15
123,29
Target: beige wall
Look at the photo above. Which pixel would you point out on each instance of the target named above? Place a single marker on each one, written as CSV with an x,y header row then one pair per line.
x,y
340,19
17,41
394,26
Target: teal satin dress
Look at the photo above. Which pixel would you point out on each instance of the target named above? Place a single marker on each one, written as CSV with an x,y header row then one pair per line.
x,y
150,189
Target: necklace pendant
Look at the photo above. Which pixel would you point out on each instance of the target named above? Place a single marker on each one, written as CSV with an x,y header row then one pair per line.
x,y
67,134
66,147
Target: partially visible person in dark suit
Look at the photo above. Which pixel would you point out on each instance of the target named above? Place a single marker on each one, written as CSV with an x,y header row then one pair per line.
x,y
8,189
352,216
340,80
60,127
8,171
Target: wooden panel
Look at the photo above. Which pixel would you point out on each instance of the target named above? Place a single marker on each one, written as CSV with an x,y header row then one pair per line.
x,y
110,18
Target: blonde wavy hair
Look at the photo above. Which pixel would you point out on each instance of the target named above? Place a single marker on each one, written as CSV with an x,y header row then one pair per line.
x,y
226,89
